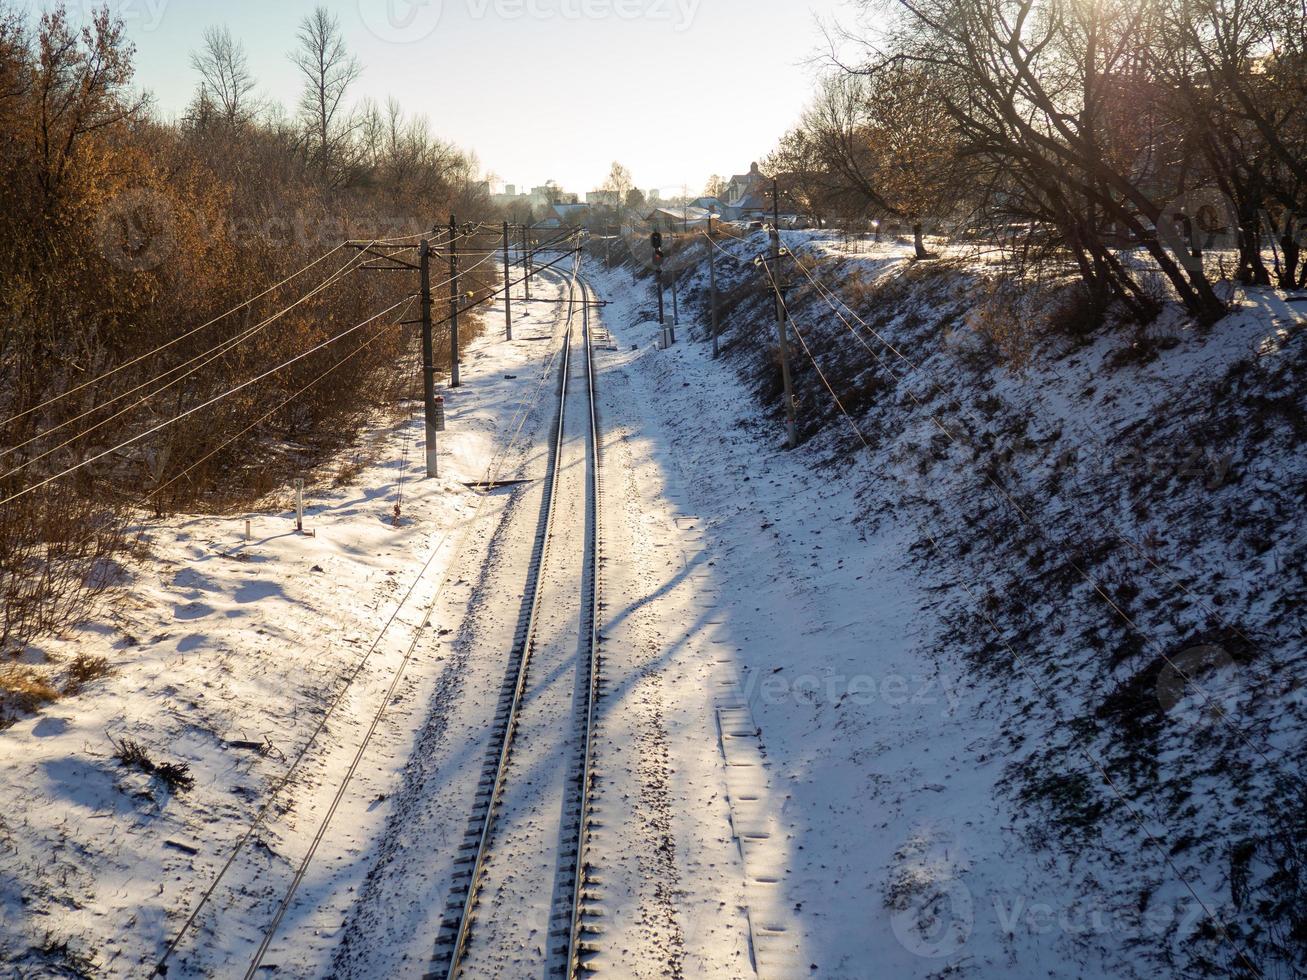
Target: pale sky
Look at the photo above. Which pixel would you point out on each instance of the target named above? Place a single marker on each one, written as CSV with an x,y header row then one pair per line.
x,y
675,89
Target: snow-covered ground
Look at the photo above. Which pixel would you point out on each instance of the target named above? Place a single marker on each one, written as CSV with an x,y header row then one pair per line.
x,y
861,719
261,664
1045,641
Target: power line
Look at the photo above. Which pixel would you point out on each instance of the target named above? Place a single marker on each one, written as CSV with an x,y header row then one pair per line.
x,y
1093,583
263,418
175,340
832,298
516,426
205,358
191,411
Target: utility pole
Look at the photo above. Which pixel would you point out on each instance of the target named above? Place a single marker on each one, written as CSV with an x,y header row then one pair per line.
x,y
656,242
662,316
712,278
453,303
791,433
508,290
428,360
526,262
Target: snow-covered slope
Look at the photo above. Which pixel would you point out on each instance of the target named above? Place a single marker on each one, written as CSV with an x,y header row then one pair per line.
x,y
1070,597
259,665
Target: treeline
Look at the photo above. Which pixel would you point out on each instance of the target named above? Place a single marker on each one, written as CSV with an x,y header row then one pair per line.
x,y
1075,135
123,240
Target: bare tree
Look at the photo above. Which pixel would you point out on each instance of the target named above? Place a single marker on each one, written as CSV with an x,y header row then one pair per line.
x,y
1058,99
225,76
620,183
873,146
329,71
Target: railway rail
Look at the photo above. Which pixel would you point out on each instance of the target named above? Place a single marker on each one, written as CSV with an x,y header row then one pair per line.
x,y
572,926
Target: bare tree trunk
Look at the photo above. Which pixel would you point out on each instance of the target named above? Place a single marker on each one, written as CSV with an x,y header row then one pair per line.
x,y
919,242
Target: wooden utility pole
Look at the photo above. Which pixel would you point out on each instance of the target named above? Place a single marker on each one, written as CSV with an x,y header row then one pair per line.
x,y
791,433
428,360
526,262
662,315
508,289
454,381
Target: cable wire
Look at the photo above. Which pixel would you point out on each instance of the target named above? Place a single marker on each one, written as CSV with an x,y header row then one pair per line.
x,y
1089,580
204,359
175,340
191,411
517,426
263,418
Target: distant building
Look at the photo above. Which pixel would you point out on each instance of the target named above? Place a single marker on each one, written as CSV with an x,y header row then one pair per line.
x,y
565,216
603,199
539,198
746,190
677,219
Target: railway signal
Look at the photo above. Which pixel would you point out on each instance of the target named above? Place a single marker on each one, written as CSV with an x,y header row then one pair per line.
x,y
656,240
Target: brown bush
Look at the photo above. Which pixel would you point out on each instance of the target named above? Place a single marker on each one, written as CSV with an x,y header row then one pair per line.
x,y
23,690
83,670
120,234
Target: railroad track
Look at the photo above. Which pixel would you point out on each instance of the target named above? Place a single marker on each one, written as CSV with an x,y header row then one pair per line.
x,y
572,925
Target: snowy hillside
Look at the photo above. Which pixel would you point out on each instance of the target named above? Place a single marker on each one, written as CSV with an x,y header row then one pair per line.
x,y
1100,551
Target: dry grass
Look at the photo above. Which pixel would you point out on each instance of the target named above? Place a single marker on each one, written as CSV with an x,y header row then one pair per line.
x,y
348,472
24,690
1013,318
132,755
83,670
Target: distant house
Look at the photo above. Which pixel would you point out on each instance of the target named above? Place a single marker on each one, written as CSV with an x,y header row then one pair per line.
x,y
564,216
674,219
747,196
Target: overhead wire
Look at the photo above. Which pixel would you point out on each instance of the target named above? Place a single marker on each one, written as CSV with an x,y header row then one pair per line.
x,y
198,408
832,298
203,359
176,340
516,427
281,405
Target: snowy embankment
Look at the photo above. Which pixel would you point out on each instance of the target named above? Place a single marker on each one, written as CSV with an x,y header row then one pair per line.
x,y
256,667
1025,646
